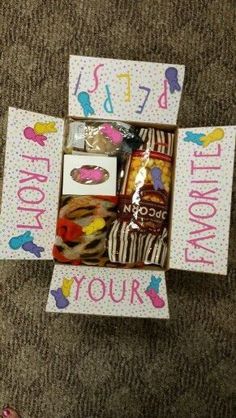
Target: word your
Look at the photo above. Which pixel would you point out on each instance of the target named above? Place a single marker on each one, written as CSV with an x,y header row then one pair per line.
x,y
170,84
205,177
97,289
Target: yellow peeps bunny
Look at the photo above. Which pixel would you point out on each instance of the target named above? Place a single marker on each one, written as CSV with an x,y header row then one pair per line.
x,y
41,128
94,226
216,135
66,286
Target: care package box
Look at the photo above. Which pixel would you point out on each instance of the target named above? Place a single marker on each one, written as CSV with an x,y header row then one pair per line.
x,y
39,174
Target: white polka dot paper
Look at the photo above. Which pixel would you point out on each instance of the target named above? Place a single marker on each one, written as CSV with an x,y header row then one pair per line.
x,y
125,90
202,199
31,185
108,291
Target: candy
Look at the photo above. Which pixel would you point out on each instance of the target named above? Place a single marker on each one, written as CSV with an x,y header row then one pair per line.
x,y
102,138
66,286
156,178
45,128
154,284
91,218
30,134
84,100
61,301
95,226
156,300
25,241
89,174
140,232
193,137
16,242
150,165
171,74
33,248
113,134
215,135
157,140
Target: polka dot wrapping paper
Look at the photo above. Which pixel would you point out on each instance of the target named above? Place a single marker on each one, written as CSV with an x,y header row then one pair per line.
x,y
31,185
202,199
108,291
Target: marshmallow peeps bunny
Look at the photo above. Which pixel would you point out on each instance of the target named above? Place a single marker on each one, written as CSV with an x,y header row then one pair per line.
x,y
66,286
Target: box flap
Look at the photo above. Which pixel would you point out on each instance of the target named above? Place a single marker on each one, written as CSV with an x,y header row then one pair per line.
x,y
202,199
103,88
30,185
108,291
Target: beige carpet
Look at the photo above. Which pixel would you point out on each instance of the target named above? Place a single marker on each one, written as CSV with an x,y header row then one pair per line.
x,y
65,366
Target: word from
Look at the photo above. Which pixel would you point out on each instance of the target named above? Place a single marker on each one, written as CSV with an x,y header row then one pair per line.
x,y
30,193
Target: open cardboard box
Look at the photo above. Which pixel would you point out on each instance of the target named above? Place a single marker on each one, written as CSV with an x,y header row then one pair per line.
x,y
140,93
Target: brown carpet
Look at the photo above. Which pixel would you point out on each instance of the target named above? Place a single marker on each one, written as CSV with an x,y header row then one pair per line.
x,y
67,366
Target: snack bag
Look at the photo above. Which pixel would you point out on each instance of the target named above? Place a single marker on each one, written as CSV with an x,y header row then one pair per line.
x,y
140,232
104,137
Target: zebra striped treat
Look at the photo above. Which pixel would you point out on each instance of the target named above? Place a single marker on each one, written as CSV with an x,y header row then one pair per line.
x,y
157,140
127,245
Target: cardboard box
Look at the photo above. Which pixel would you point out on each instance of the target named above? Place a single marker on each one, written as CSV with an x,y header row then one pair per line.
x,y
146,94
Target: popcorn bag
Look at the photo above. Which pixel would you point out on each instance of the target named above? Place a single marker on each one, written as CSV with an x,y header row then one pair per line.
x,y
116,194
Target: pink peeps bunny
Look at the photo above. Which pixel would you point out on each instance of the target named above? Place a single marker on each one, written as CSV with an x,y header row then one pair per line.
x,y
156,300
30,134
91,174
113,134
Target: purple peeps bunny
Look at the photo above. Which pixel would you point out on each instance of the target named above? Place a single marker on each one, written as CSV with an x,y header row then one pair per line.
x,y
31,247
61,301
156,178
171,74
